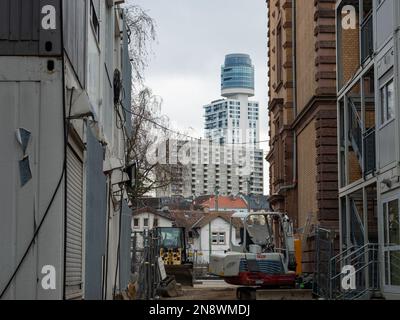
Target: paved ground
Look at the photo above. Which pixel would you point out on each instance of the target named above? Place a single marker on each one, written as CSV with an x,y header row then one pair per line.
x,y
219,290
209,290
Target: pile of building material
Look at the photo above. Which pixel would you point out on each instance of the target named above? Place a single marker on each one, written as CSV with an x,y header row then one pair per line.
x,y
169,288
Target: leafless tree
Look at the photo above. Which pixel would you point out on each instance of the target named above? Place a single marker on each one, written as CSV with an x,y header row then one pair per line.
x,y
148,141
142,33
150,128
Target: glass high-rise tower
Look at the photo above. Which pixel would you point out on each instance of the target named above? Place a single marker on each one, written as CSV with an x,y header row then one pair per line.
x,y
234,119
229,161
237,75
234,122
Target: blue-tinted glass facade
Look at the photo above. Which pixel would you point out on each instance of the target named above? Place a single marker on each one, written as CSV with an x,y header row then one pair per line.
x,y
237,72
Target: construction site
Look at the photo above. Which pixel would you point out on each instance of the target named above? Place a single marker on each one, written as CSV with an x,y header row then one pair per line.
x,y
199,150
263,265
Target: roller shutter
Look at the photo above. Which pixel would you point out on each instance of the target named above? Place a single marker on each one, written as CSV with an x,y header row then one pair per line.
x,y
74,245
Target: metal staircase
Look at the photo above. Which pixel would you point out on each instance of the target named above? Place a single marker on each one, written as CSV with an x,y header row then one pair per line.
x,y
356,224
355,130
362,143
365,261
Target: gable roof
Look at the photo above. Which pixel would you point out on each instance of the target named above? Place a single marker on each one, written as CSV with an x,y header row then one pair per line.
x,y
162,214
186,218
210,217
215,215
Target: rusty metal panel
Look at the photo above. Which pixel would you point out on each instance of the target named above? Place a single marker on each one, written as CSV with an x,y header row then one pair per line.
x,y
30,28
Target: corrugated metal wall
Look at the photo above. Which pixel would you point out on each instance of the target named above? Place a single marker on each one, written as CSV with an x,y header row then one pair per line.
x,y
21,29
75,36
29,97
125,248
96,218
74,236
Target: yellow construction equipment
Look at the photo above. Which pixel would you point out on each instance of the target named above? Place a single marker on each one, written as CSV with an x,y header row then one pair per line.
x,y
173,252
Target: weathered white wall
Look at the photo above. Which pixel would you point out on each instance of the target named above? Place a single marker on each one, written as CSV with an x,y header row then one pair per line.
x,y
162,222
202,244
31,98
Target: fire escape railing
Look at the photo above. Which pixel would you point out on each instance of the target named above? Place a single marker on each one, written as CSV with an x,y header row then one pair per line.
x,y
367,38
363,144
364,260
369,152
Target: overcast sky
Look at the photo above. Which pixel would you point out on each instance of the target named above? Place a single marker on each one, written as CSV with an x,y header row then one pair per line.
x,y
193,37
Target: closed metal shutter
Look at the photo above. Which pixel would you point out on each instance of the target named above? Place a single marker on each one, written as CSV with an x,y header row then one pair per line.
x,y
73,268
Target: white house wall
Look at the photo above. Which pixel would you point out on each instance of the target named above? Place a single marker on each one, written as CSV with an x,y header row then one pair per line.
x,y
162,222
203,244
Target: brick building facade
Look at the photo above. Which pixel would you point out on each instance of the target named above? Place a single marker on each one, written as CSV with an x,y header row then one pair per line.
x,y
303,116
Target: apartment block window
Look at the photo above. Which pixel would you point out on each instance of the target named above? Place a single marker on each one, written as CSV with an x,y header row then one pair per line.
x,y
145,222
155,223
136,223
387,102
218,238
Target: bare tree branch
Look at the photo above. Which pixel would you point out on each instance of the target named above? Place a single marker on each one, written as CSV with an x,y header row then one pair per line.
x,y
142,33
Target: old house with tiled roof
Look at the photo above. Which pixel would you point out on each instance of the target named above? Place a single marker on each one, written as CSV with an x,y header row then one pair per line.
x,y
207,232
222,203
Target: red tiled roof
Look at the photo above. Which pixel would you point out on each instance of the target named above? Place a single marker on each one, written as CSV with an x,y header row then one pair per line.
x,y
224,202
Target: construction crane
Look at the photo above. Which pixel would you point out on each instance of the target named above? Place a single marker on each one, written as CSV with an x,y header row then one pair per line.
x,y
265,257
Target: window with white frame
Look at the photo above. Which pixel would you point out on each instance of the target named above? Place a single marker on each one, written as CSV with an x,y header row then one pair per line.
x,y
145,222
136,222
387,102
218,238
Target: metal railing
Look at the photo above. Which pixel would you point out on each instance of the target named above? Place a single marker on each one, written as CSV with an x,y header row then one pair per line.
x,y
355,129
324,249
369,151
364,260
363,143
357,226
144,265
367,38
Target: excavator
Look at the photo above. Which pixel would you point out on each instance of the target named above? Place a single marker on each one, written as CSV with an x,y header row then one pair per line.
x,y
265,256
